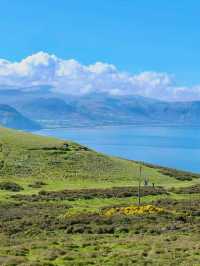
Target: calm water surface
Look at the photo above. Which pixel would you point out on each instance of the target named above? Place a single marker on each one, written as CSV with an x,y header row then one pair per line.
x,y
177,147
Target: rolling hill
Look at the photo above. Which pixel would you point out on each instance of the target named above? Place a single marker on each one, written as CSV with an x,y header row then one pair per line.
x,y
24,155
64,204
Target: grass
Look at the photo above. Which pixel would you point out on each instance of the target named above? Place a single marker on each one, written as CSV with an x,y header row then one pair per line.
x,y
25,158
41,225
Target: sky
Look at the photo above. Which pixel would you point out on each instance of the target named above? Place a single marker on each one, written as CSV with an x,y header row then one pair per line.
x,y
150,40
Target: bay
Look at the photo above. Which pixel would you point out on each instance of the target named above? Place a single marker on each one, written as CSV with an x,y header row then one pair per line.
x,y
177,147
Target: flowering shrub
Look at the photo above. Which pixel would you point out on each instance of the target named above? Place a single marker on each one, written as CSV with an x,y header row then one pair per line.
x,y
75,213
133,210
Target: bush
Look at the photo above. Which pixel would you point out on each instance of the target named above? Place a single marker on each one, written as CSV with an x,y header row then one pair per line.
x,y
37,184
10,186
119,192
195,189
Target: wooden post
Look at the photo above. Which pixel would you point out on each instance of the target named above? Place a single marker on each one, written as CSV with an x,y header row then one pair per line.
x,y
190,207
139,186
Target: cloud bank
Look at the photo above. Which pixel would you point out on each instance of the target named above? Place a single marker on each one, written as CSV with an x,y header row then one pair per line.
x,y
71,77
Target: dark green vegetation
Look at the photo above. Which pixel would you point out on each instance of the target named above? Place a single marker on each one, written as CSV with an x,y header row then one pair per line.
x,y
10,186
115,192
52,199
195,189
178,174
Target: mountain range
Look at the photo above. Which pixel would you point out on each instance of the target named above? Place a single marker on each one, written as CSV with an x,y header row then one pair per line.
x,y
59,110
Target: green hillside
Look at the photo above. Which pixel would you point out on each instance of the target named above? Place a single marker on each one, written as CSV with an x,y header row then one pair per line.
x,y
25,157
64,204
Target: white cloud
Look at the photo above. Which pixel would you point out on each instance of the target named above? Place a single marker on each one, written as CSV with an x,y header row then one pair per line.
x,y
71,77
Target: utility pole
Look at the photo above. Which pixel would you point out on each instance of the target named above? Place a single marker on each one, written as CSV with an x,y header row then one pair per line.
x,y
139,186
190,194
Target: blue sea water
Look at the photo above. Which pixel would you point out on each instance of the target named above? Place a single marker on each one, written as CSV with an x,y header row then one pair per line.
x,y
177,147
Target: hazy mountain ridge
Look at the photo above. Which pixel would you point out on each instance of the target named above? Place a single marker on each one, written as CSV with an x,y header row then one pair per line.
x,y
100,110
10,117
51,109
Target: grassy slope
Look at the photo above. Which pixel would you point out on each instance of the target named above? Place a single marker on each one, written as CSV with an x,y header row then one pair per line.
x,y
30,236
27,157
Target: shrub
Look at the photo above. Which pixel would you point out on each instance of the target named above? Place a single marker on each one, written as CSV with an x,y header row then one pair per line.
x,y
195,189
10,186
37,184
133,210
119,192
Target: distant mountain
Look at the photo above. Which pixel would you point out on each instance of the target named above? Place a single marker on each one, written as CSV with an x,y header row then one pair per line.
x,y
58,110
109,110
54,112
14,96
11,118
50,108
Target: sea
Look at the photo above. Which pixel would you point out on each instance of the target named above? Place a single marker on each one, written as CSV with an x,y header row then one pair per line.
x,y
170,146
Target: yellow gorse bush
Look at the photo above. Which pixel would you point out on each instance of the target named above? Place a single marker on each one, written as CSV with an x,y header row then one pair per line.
x,y
133,210
75,212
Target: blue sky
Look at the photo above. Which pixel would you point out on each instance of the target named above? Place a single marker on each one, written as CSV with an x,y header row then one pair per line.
x,y
134,35
156,42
